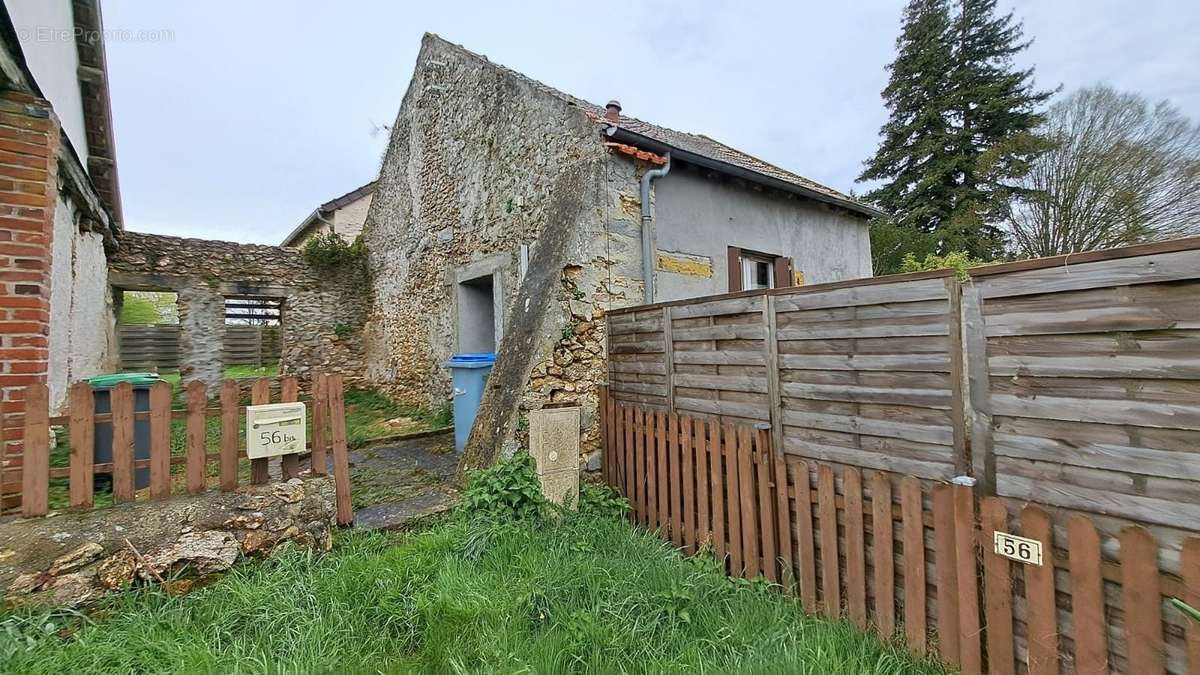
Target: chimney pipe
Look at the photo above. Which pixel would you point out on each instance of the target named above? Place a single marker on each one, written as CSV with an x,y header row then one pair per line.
x,y
612,111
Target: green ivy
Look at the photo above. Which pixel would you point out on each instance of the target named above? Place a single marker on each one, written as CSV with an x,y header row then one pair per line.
x,y
343,330
508,490
329,251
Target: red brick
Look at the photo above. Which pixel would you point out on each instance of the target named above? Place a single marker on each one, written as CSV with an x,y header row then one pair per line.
x,y
24,173
35,149
14,275
24,327
27,367
29,263
20,121
24,135
28,302
18,159
26,237
31,314
22,380
24,354
29,341
23,225
24,198
26,212
23,249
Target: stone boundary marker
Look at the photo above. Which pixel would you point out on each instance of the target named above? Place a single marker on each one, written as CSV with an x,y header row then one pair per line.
x,y
554,444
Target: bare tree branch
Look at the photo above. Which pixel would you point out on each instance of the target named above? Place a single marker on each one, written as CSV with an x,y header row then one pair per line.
x,y
1121,171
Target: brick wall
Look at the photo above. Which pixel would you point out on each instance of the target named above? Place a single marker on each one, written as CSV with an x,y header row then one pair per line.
x,y
29,140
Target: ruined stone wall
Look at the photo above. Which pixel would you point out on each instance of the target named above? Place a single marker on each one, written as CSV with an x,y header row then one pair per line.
x,y
323,310
481,162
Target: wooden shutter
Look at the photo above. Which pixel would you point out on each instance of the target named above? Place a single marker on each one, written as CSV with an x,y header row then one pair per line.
x,y
734,266
783,272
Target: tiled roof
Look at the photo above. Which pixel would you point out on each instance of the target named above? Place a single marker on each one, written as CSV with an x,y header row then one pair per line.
x,y
329,206
697,144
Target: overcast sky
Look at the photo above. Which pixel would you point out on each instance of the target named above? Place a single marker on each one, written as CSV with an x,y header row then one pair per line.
x,y
251,114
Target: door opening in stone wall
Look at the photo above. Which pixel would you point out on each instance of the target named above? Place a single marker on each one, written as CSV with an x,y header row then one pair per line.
x,y
477,315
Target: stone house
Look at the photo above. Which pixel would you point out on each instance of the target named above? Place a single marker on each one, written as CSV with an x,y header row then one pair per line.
x,y
510,216
60,205
342,215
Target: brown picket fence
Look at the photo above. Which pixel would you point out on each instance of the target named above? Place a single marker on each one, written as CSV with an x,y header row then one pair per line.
x,y
27,469
934,580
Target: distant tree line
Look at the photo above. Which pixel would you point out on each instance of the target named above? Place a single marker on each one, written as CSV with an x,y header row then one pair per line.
x,y
972,161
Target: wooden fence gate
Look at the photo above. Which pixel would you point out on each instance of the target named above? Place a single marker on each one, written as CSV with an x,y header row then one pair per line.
x,y
903,556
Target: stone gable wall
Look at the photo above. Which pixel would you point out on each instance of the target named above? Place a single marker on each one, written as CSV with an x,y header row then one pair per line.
x,y
482,162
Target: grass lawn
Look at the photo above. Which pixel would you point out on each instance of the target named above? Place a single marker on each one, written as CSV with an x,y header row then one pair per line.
x,y
579,594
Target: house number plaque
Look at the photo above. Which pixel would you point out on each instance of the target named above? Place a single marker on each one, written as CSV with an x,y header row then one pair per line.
x,y
1028,551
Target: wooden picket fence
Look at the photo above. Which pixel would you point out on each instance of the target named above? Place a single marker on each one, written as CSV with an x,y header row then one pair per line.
x,y
30,470
932,580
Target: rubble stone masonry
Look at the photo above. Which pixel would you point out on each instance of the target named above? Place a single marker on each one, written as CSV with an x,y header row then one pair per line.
x,y
482,164
323,310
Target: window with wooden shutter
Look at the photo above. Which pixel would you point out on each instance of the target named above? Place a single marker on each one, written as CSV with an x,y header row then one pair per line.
x,y
750,270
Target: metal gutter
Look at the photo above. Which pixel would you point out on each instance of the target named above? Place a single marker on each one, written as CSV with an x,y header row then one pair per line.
x,y
647,234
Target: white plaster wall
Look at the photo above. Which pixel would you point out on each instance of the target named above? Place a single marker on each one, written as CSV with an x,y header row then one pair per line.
x,y
82,322
348,220
61,278
93,321
702,216
45,29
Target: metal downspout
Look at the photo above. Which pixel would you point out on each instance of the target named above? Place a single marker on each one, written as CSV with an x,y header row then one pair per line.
x,y
647,237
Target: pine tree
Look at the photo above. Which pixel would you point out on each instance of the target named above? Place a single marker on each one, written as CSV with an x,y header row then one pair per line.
x,y
912,156
959,131
996,109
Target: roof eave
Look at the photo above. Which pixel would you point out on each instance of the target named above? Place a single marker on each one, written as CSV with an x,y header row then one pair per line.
x,y
645,142
295,234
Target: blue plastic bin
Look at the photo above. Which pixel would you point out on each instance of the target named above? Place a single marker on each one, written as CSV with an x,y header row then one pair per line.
x,y
469,373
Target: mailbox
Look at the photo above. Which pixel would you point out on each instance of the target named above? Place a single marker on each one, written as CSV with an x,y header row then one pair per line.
x,y
275,429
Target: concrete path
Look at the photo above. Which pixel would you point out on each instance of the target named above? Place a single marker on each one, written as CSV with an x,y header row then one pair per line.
x,y
395,484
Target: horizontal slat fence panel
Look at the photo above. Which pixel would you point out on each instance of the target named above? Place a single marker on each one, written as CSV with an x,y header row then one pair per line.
x,y
156,347
1087,376
896,553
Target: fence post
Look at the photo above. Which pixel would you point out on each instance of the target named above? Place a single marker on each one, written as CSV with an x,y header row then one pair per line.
x,y
320,441
973,357
229,435
341,460
958,404
669,356
774,394
35,462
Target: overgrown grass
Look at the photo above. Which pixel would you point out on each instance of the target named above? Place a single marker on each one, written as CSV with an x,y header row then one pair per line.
x,y
368,411
581,594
